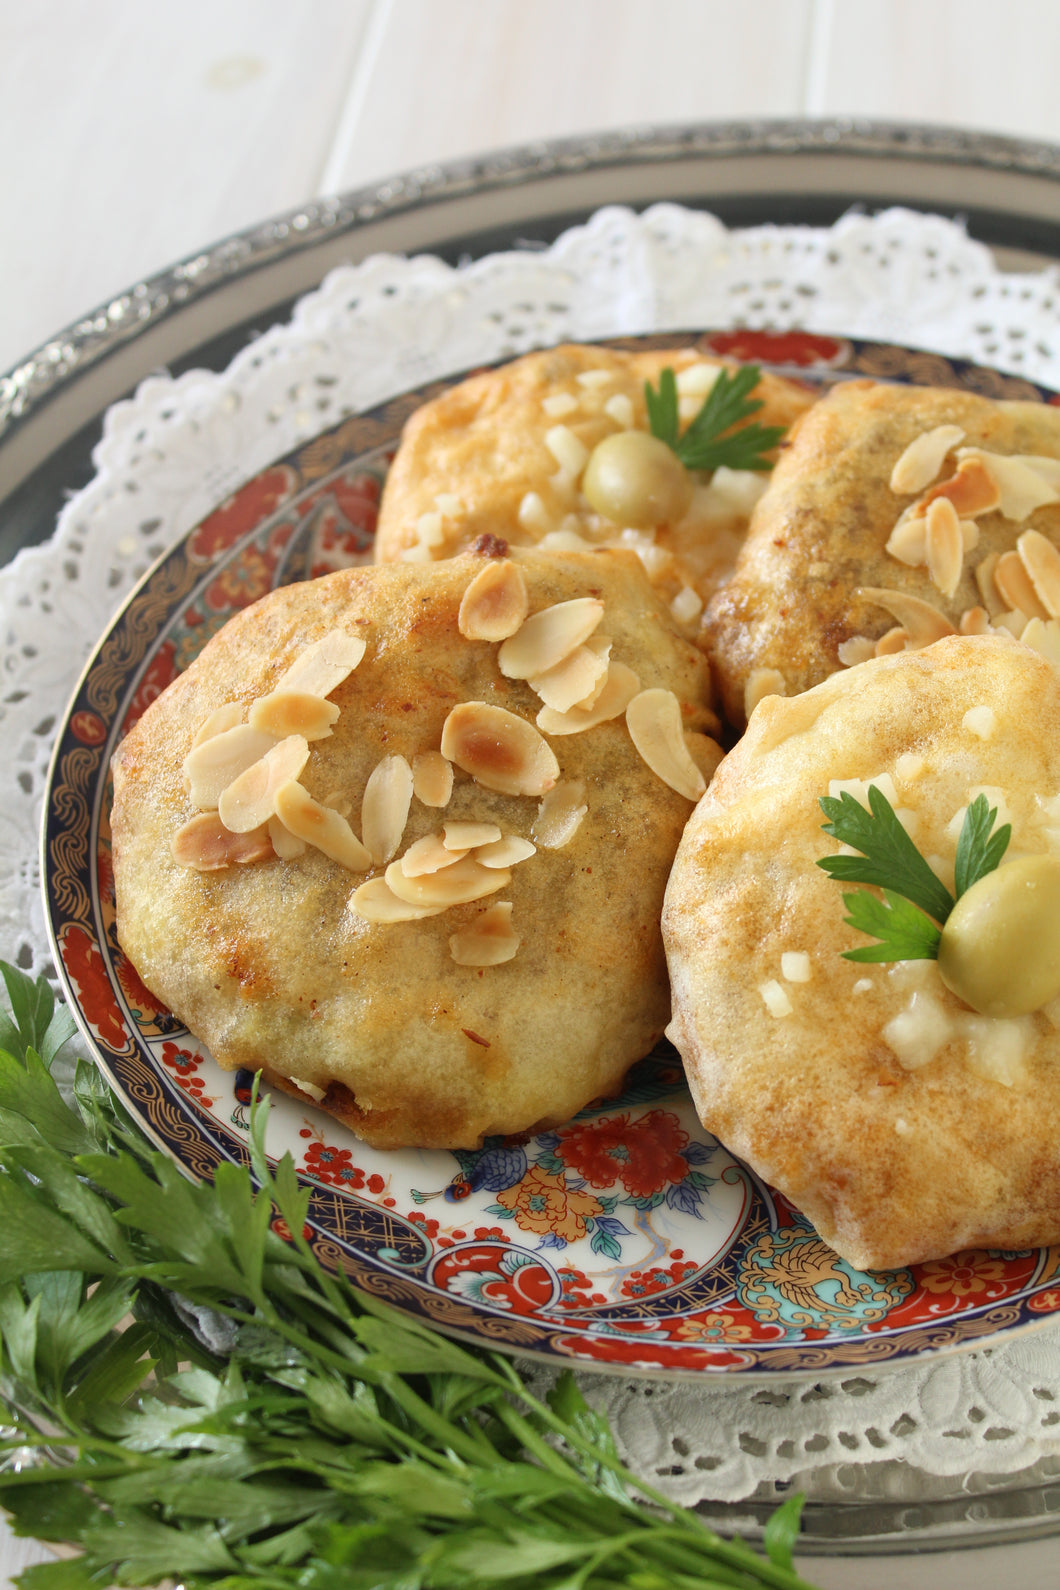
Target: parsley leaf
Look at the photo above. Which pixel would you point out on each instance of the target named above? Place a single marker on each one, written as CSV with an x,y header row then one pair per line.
x,y
891,861
704,444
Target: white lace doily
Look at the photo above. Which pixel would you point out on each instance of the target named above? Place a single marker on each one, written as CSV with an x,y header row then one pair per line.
x,y
178,448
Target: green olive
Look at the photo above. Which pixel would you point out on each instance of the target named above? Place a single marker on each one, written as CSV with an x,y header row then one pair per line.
x,y
634,479
1000,947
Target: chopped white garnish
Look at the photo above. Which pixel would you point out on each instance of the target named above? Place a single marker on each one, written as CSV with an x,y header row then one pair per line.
x,y
591,378
859,788
997,1048
570,453
696,380
795,966
620,409
863,985
774,998
446,503
902,1126
909,766
686,605
917,1033
533,515
981,721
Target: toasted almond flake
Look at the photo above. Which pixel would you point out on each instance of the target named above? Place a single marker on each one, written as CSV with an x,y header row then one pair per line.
x,y
533,515
1021,489
558,404
1043,637
432,778
221,719
570,453
320,827
762,682
1016,588
969,534
775,999
1047,468
594,378
211,766
796,966
891,643
579,677
653,719
206,845
500,751
908,540
385,807
285,712
923,458
705,752
984,579
972,490
429,854
600,646
560,814
429,532
321,667
975,621
687,605
1042,562
924,623
944,544
505,852
466,835
620,409
696,380
980,721
548,636
489,941
858,649
621,686
249,800
1015,623
286,845
375,901
448,505
495,603
465,880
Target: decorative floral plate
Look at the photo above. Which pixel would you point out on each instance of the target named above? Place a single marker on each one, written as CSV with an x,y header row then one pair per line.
x,y
628,1238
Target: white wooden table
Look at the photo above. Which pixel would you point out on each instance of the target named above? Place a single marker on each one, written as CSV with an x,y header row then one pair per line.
x,y
133,134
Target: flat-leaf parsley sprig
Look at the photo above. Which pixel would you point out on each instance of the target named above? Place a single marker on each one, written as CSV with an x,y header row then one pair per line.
x,y
912,893
204,1402
704,445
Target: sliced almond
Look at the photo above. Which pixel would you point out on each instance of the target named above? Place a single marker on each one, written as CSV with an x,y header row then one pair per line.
x,y
321,667
375,901
205,844
495,603
1048,468
908,540
489,941
465,880
653,719
923,458
924,622
286,845
320,827
1042,562
465,836
499,750
858,649
212,765
944,545
762,682
548,636
1021,489
1044,637
1016,588
578,679
894,641
974,489
249,800
429,854
975,621
285,712
432,778
705,752
385,807
1015,623
505,852
984,579
622,685
221,719
560,814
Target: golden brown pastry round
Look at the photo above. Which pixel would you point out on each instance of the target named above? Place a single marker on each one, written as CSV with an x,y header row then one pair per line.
x,y
904,1124
839,535
545,980
504,451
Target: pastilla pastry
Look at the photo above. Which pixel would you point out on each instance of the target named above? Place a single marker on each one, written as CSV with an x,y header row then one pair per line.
x,y
507,452
905,1119
896,516
399,838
